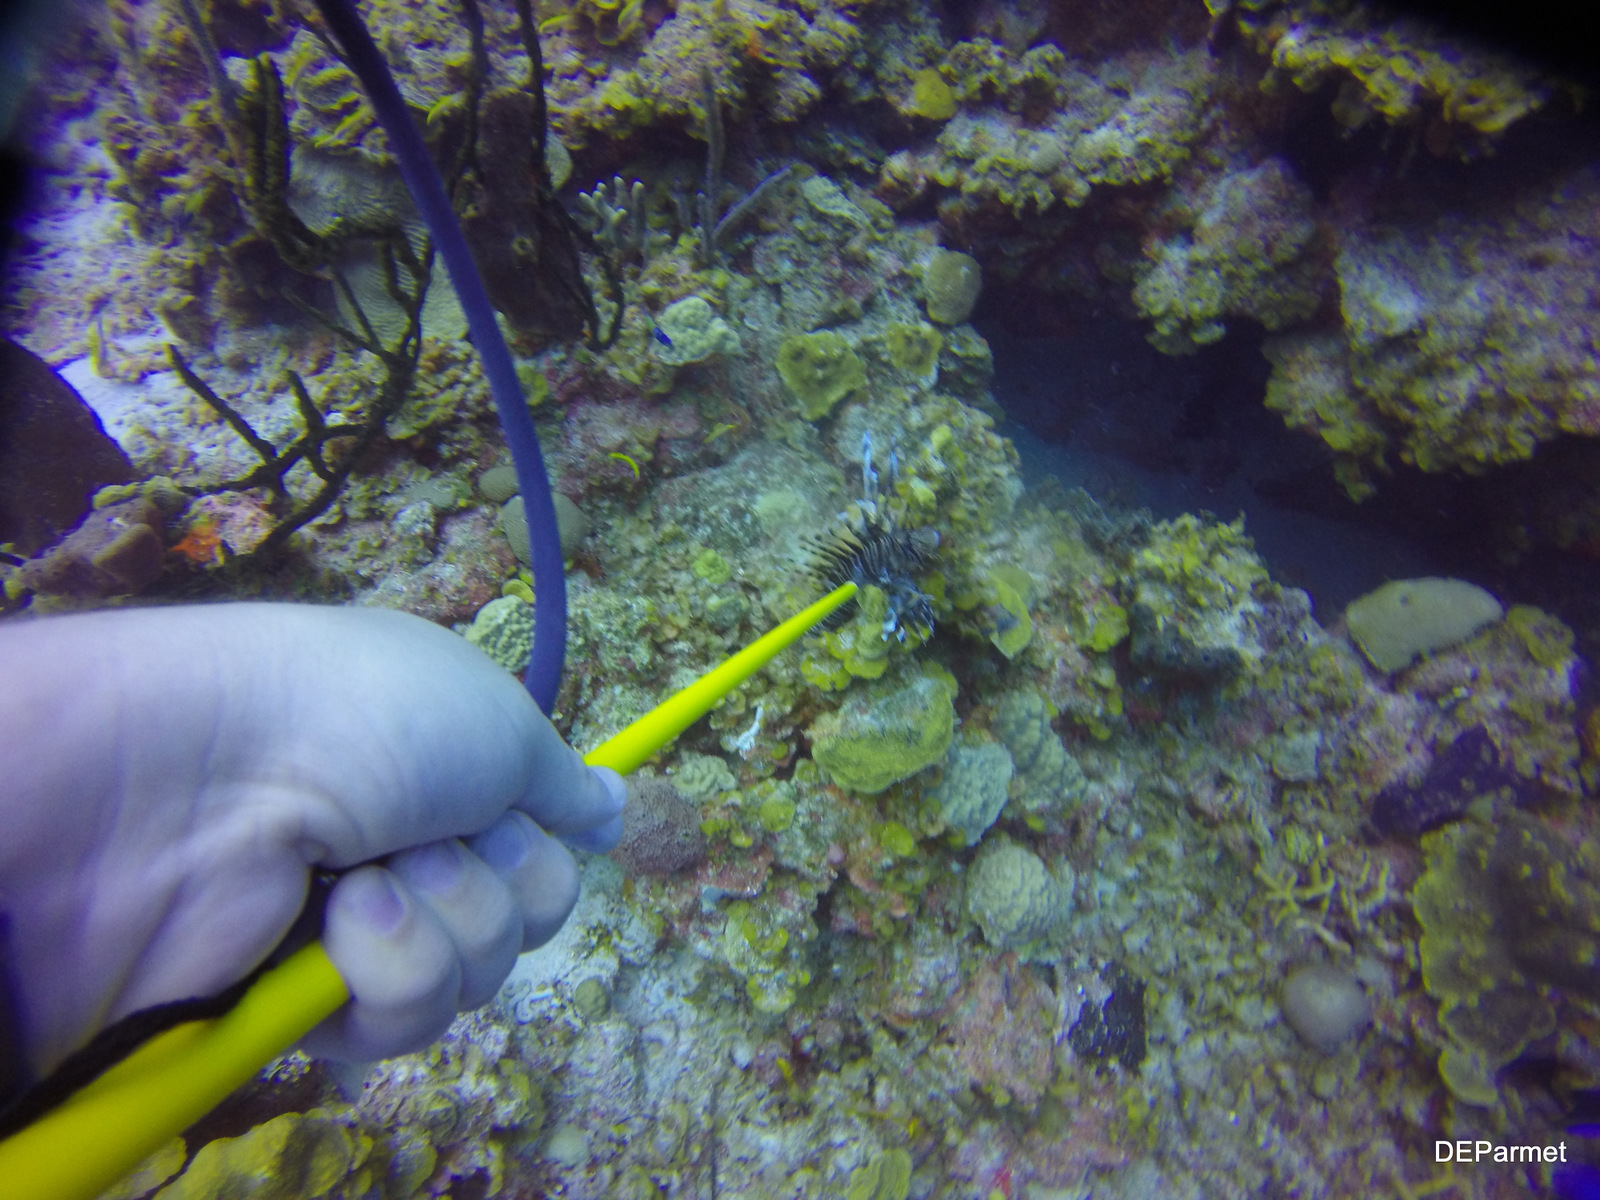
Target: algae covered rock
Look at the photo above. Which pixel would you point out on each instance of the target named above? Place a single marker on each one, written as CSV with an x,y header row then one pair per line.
x,y
973,790
884,733
820,369
695,331
1012,895
1409,617
289,1157
950,286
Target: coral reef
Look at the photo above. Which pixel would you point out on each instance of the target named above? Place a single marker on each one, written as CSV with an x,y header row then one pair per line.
x,y
1077,856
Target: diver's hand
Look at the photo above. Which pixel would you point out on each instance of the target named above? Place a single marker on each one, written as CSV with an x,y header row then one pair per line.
x,y
169,777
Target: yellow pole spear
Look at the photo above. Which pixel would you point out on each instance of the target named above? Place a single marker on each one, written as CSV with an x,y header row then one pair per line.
x,y
107,1128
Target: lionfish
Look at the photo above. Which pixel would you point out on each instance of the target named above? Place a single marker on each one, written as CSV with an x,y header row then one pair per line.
x,y
881,556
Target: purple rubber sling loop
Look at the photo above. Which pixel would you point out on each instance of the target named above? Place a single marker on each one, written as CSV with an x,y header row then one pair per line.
x,y
543,677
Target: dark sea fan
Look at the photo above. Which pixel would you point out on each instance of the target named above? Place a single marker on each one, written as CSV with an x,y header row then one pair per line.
x,y
881,556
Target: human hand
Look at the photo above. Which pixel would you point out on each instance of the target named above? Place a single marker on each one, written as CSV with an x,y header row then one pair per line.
x,y
170,776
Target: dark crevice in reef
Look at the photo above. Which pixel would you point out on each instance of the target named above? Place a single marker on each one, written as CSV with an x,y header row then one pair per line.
x,y
1095,405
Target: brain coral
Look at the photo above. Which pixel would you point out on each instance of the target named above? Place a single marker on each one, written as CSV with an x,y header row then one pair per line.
x,y
1408,617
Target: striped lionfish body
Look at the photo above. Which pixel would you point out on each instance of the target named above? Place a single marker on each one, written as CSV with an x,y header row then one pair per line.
x,y
881,556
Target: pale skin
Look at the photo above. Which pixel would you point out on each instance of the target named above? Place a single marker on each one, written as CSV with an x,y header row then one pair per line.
x,y
169,778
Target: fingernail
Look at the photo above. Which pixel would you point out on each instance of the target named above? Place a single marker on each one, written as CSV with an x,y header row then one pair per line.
x,y
436,867
597,840
616,788
504,845
377,902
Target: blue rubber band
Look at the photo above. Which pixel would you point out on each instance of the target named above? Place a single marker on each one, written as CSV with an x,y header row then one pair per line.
x,y
543,678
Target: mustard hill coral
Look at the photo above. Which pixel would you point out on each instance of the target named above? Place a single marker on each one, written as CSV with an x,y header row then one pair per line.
x,y
695,332
1012,895
503,629
972,790
1050,776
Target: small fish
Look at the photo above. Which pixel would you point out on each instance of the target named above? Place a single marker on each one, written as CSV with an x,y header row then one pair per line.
x,y
660,335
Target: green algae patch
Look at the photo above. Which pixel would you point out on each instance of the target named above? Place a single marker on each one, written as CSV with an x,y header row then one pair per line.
x,y
931,96
1409,617
884,733
1012,626
712,567
820,369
